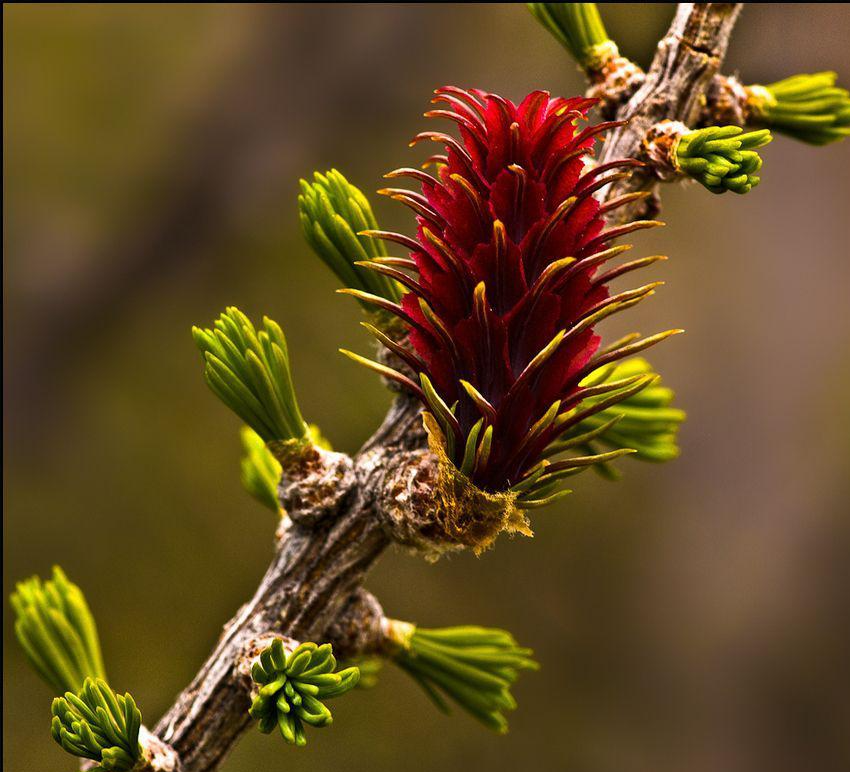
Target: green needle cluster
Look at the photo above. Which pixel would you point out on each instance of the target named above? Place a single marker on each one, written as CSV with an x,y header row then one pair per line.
x,y
473,666
810,108
333,213
57,631
292,687
576,26
645,422
97,724
249,372
722,158
260,469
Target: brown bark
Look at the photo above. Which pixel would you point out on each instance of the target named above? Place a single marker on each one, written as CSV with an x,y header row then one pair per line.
x,y
317,568
687,59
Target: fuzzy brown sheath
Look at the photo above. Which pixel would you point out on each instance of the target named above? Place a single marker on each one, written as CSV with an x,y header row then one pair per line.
x,y
433,508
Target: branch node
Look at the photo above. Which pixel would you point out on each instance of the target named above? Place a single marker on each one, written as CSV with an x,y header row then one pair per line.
x,y
161,757
314,483
726,102
659,148
614,83
357,631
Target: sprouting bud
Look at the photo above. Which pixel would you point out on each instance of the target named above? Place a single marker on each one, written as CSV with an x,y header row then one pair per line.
x,y
292,685
249,372
579,28
334,217
810,108
473,666
646,422
57,632
721,158
98,724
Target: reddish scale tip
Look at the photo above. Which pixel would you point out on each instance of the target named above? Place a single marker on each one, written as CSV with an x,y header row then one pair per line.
x,y
509,241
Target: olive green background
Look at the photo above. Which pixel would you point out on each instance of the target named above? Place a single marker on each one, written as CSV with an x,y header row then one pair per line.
x,y
694,616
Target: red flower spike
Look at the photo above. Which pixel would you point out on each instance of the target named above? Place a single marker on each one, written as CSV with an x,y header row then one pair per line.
x,y
508,251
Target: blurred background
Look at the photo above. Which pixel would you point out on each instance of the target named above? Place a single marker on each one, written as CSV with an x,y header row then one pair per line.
x,y
694,616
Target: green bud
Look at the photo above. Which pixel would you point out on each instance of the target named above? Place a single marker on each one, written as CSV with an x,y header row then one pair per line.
x,y
577,27
291,687
810,108
57,631
249,372
98,724
721,158
334,213
473,666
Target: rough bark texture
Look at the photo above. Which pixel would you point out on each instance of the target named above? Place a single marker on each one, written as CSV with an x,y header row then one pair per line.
x,y
687,59
315,571
311,590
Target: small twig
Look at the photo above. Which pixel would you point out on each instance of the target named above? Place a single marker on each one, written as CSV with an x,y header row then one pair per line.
x,y
686,60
